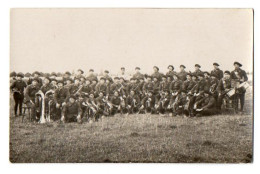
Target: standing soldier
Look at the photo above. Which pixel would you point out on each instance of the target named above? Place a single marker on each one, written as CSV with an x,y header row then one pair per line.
x,y
36,75
137,74
107,76
122,73
156,87
101,87
197,70
182,74
216,71
30,92
79,74
91,76
171,71
238,75
66,76
17,88
156,73
93,84
61,96
224,86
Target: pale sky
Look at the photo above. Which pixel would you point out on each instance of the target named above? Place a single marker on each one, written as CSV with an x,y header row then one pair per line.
x,y
62,40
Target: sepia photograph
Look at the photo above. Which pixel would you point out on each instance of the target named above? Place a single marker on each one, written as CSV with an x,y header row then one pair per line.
x,y
131,85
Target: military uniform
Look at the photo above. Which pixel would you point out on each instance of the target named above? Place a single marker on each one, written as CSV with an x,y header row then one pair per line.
x,y
138,75
208,106
182,75
18,86
157,75
71,111
133,103
218,73
223,87
30,92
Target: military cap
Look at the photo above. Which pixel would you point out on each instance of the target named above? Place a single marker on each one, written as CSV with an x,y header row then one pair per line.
x,y
109,79
91,70
35,79
102,78
201,74
227,72
77,79
164,76
53,74
122,78
237,63
27,75
189,74
122,67
47,78
82,78
60,81
36,72
54,80
13,74
70,79
20,75
116,78
137,68
106,71
73,96
93,80
206,72
216,64
46,75
68,73
81,71
141,78
183,66
132,78
197,65
170,66
156,67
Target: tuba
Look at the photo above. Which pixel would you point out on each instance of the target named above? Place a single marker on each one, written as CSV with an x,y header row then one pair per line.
x,y
41,96
48,119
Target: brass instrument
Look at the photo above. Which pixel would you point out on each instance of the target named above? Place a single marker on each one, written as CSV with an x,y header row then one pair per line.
x,y
48,119
41,96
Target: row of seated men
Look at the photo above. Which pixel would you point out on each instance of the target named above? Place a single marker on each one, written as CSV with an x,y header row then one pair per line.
x,y
200,93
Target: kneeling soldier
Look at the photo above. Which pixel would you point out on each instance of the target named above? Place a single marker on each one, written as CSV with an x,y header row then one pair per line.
x,y
206,106
163,103
133,102
71,112
148,103
180,103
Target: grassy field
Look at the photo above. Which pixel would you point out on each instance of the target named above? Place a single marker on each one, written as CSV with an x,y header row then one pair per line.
x,y
136,138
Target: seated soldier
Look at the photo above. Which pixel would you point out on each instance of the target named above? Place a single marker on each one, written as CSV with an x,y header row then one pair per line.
x,y
91,110
30,92
116,103
103,105
148,103
162,105
133,102
180,103
61,96
71,112
205,106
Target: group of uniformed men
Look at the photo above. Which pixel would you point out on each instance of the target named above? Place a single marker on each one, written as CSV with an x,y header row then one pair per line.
x,y
79,97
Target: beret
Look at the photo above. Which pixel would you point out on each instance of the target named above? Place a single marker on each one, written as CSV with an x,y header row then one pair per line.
x,y
206,72
164,76
47,78
216,64
227,72
137,68
116,78
156,67
237,63
106,71
27,75
36,72
81,71
13,74
54,80
67,72
35,79
53,74
183,66
197,65
91,70
189,74
171,66
20,75
132,78
102,78
60,81
122,67
201,74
